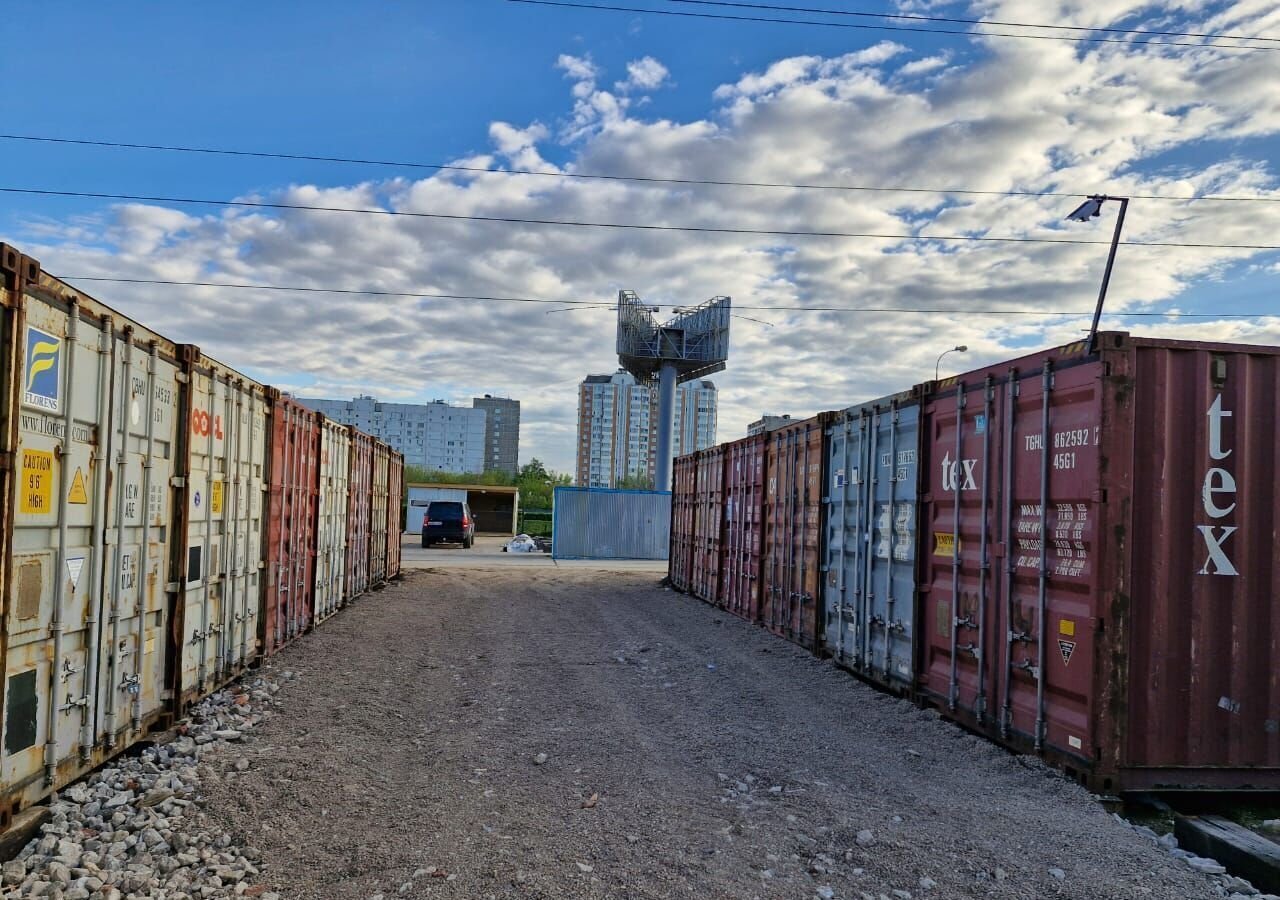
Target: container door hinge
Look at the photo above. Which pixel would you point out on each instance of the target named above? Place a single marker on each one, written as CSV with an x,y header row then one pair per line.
x,y
172,587
181,377
177,481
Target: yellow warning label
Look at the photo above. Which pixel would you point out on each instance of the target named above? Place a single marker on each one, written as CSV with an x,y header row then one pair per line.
x,y
216,498
944,543
1067,627
77,494
151,645
37,481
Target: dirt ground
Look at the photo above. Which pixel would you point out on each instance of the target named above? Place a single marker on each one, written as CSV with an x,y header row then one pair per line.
x,y
549,733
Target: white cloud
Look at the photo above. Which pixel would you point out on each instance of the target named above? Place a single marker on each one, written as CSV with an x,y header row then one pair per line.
x,y
644,74
1026,115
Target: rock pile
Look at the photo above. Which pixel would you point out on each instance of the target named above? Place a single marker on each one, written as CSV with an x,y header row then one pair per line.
x,y
1226,885
135,829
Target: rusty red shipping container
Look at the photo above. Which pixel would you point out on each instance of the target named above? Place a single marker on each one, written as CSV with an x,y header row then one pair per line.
x,y
291,522
1098,560
743,541
395,509
792,578
684,480
359,510
708,523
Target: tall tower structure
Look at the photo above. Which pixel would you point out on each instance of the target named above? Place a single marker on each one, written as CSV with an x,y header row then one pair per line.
x,y
693,344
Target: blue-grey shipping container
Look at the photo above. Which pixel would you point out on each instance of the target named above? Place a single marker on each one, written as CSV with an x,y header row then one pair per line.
x,y
869,584
596,523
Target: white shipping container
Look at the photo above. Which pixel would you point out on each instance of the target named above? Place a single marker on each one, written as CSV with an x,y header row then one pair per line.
x,y
224,483
92,435
331,514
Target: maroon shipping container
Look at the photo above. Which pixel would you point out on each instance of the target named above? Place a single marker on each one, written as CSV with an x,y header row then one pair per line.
x,y
793,531
708,524
395,510
744,492
684,476
291,523
359,509
1098,560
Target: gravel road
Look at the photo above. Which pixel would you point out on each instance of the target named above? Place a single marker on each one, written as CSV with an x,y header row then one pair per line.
x,y
566,733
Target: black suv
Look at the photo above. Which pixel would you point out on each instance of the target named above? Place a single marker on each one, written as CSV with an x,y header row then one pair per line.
x,y
448,520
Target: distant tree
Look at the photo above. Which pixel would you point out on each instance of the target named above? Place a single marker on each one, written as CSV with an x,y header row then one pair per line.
x,y
637,482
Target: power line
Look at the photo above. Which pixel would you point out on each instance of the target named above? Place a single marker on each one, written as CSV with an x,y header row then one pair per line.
x,y
608,304
632,226
864,26
642,179
915,17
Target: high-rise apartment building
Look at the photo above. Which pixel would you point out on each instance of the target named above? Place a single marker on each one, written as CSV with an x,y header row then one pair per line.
x,y
618,426
435,436
501,433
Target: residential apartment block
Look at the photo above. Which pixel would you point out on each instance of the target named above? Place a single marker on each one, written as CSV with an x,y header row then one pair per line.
x,y
618,426
435,436
501,433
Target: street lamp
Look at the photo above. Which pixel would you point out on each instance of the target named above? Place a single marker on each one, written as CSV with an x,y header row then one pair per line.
x,y
959,348
1091,209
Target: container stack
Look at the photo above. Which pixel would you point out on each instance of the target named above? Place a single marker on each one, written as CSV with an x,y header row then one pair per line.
x,y
1071,553
165,522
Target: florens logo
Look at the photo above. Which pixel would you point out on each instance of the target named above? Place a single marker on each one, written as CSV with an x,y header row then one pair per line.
x,y
1218,482
42,379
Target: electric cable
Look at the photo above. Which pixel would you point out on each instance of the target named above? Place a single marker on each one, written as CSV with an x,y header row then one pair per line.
x,y
633,226
609,304
643,179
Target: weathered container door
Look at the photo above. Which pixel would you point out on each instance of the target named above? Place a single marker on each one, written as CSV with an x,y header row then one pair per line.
x,y
395,508
793,531
219,571
684,481
1011,536
92,434
869,586
291,523
708,524
744,499
378,519
360,487
331,518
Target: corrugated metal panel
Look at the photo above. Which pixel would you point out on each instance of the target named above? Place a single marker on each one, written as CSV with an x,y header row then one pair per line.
x,y
420,499
1099,562
378,513
1197,609
91,410
606,524
870,539
395,509
708,524
684,482
793,531
360,487
291,526
331,518
744,494
223,466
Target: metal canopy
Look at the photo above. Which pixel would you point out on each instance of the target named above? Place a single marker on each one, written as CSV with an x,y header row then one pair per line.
x,y
695,342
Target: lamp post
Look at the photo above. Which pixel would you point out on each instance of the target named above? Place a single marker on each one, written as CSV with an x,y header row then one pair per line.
x,y
959,348
1091,209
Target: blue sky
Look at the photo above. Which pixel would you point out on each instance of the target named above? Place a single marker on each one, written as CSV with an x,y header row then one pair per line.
x,y
428,81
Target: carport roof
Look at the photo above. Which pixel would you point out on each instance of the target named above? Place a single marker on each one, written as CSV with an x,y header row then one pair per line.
x,y
479,488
